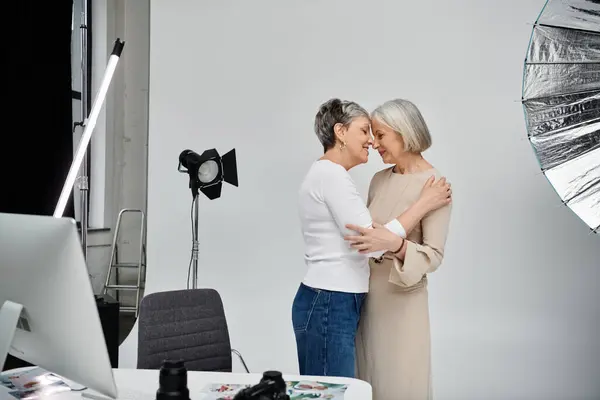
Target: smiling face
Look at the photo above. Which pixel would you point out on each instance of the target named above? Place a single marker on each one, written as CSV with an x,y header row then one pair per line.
x,y
357,137
388,143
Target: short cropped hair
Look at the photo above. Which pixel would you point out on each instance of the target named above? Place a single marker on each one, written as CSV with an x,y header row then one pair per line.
x,y
332,112
404,118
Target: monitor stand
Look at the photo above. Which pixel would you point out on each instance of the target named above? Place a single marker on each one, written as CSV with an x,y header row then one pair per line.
x,y
10,319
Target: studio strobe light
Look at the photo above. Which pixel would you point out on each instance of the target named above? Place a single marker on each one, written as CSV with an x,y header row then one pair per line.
x,y
207,172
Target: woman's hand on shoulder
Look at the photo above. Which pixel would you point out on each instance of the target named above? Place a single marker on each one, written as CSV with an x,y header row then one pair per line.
x,y
435,194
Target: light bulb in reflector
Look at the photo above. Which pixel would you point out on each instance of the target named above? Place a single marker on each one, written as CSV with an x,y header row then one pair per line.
x,y
208,171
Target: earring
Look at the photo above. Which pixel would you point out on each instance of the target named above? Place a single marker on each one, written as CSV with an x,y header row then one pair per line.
x,y
342,145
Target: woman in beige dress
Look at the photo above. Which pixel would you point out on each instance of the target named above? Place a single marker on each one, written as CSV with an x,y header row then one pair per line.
x,y
393,340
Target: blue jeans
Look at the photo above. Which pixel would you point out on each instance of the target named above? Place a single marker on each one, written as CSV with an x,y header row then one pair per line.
x,y
325,325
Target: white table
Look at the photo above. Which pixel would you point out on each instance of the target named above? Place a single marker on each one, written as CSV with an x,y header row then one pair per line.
x,y
137,384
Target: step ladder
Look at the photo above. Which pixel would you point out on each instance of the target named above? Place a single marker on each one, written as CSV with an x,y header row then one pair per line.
x,y
115,265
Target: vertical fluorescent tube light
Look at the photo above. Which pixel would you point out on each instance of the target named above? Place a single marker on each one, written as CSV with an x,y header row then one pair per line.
x,y
89,124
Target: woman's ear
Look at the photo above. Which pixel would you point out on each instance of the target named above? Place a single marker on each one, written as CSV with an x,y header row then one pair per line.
x,y
340,132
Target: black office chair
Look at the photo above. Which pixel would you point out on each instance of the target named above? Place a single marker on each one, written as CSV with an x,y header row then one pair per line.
x,y
186,325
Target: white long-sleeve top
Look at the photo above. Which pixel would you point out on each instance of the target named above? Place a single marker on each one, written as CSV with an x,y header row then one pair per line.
x,y
328,200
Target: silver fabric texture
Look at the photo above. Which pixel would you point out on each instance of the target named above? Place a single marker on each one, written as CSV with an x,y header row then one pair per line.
x,y
561,100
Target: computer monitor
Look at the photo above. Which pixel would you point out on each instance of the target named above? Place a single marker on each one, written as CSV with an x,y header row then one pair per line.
x,y
48,314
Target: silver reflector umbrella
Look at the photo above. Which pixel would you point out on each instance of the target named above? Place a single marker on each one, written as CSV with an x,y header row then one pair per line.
x,y
561,100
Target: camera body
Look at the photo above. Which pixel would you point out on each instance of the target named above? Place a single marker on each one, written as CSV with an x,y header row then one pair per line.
x,y
271,387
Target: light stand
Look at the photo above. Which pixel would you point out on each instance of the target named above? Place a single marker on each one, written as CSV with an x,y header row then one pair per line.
x,y
195,245
83,184
207,173
89,124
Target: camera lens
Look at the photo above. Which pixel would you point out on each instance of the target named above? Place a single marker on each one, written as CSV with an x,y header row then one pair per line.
x,y
173,381
272,375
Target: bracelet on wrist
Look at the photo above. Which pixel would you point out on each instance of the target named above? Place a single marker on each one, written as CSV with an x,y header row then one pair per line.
x,y
401,246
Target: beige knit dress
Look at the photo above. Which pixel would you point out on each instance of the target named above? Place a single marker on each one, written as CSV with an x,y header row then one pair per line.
x,y
393,340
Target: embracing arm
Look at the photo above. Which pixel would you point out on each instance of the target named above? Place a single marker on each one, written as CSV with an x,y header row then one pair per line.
x,y
347,206
410,218
433,196
415,260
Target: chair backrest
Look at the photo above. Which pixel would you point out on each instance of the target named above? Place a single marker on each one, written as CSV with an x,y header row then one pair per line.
x,y
186,325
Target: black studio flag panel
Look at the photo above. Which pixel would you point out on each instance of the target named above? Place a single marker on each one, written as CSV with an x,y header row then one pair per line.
x,y
37,143
37,140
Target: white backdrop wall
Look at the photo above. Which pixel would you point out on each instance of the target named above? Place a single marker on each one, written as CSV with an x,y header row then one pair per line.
x,y
514,307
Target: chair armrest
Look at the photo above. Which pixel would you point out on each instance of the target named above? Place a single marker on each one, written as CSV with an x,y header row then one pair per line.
x,y
237,353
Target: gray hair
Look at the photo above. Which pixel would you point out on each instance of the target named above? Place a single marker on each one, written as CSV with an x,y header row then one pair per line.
x,y
332,112
404,118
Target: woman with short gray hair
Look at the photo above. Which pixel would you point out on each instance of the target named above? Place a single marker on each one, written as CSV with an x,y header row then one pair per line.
x,y
327,305
393,340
